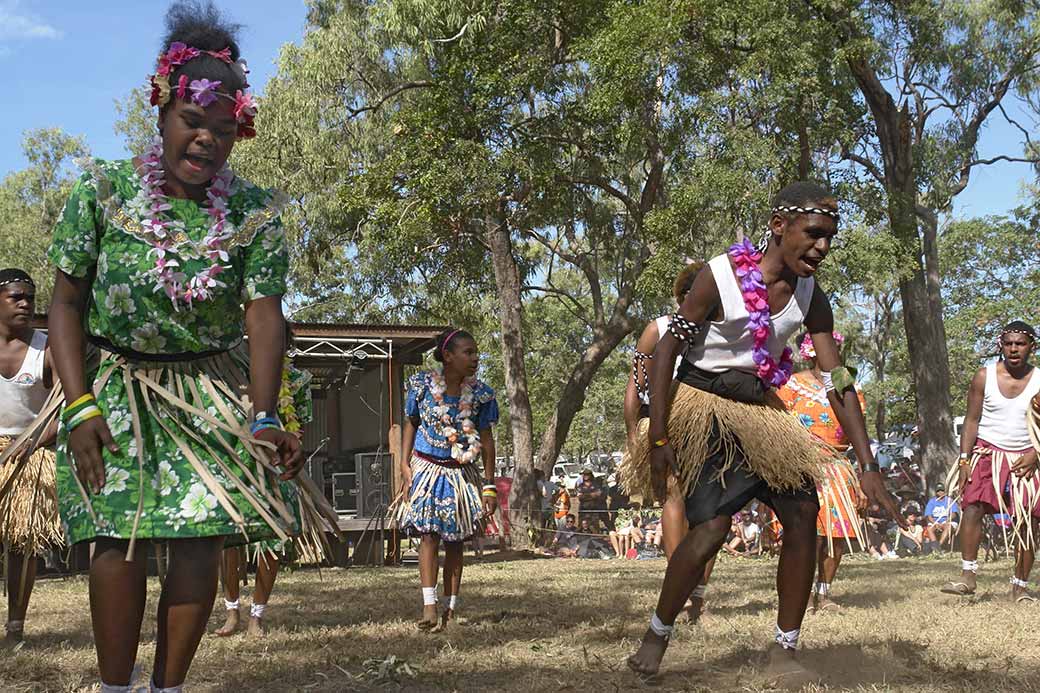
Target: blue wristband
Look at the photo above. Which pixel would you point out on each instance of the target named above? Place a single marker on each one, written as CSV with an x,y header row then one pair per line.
x,y
266,422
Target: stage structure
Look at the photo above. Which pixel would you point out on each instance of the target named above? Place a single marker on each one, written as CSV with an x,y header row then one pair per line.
x,y
358,391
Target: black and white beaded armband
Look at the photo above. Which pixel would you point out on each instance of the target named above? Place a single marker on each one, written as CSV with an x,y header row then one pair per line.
x,y
683,329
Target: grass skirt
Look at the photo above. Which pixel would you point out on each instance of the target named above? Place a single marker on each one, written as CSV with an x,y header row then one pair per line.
x,y
187,465
992,483
29,522
442,500
779,450
840,500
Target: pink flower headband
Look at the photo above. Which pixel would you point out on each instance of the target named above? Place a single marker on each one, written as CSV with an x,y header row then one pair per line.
x,y
808,351
203,91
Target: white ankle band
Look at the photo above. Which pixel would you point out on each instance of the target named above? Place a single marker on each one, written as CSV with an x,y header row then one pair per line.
x,y
787,639
15,626
257,610
698,592
1018,583
451,601
970,566
156,689
231,606
429,596
659,628
822,588
109,688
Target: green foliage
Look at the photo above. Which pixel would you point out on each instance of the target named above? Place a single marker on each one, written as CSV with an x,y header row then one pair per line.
x,y
31,201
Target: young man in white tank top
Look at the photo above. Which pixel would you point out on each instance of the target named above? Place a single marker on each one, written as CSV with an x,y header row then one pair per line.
x,y
25,382
734,332
997,468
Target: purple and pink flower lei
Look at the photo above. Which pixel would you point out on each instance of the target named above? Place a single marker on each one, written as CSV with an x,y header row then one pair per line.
x,y
756,299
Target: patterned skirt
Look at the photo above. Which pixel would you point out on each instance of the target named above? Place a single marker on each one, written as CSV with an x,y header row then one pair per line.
x,y
187,465
29,521
444,499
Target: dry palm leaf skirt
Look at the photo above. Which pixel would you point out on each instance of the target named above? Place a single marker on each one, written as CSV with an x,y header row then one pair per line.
x,y
187,465
771,442
29,521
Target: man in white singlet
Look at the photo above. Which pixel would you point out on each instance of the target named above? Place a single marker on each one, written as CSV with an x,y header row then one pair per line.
x,y
996,470
25,381
725,433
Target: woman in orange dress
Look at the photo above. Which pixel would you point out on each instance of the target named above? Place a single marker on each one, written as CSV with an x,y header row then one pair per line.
x,y
841,499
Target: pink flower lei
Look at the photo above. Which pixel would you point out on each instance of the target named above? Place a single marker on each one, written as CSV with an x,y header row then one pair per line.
x,y
202,91
756,299
444,425
167,270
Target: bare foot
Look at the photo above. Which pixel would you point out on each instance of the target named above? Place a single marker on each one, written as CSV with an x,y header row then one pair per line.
x,y
647,659
429,617
785,672
255,627
965,586
446,617
230,625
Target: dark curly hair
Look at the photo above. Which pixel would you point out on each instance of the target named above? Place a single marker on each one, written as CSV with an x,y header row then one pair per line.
x,y
447,341
201,25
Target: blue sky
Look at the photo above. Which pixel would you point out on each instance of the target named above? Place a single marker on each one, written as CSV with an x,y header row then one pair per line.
x,y
67,61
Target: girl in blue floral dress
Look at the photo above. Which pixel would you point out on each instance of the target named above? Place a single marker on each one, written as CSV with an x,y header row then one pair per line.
x,y
447,433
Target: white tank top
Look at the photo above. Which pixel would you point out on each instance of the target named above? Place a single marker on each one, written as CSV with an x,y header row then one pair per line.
x,y
662,327
1003,421
23,396
726,344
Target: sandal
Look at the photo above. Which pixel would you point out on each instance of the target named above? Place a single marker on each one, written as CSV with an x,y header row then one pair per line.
x,y
961,589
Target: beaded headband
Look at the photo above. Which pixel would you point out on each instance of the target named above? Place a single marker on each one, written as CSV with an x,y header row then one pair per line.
x,y
15,276
203,91
1018,330
832,213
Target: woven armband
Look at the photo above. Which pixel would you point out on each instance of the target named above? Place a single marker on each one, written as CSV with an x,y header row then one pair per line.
x,y
682,329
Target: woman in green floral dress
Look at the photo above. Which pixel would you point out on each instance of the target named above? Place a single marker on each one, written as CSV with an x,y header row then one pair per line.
x,y
164,261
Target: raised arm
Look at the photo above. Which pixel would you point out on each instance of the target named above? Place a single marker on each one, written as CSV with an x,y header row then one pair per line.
x,y
844,401
696,308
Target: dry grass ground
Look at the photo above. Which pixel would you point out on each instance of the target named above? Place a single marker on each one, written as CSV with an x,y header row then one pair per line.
x,y
559,625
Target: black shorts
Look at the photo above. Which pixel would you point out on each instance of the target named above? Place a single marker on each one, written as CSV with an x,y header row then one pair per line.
x,y
714,496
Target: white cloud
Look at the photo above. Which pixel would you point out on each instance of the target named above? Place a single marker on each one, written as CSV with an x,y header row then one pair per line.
x,y
16,23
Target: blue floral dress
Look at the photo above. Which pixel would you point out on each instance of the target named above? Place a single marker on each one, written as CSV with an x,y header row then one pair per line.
x,y
444,497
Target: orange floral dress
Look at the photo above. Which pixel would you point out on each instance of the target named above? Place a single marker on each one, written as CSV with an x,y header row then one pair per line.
x,y
805,397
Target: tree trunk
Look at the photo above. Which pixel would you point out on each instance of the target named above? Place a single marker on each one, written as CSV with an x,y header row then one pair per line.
x,y
523,496
572,398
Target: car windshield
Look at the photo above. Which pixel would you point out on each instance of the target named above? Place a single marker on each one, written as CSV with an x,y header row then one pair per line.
x,y
572,469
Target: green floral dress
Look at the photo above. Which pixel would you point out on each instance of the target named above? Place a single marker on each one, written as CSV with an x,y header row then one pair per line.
x,y
184,467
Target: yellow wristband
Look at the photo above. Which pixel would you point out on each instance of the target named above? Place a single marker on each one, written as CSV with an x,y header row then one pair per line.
x,y
660,443
85,398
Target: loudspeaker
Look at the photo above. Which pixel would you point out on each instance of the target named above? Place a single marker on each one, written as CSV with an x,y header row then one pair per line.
x,y
374,482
